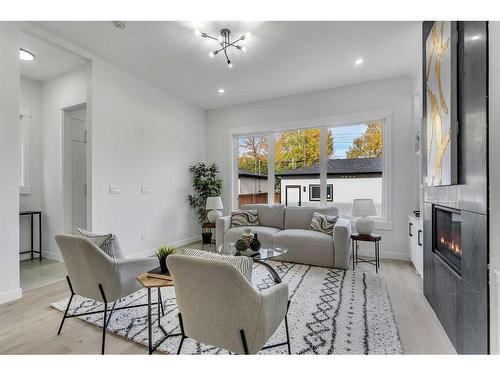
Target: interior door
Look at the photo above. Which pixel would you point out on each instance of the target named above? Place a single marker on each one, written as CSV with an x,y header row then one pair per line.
x,y
293,195
79,168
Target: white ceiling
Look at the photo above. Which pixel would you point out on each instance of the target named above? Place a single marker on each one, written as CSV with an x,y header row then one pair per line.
x,y
283,58
50,61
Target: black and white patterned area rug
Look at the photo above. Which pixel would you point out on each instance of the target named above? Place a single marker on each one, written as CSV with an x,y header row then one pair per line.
x,y
331,312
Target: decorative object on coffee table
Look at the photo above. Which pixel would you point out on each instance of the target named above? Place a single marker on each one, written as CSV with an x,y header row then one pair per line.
x,y
162,253
247,236
255,243
213,206
375,238
362,209
240,246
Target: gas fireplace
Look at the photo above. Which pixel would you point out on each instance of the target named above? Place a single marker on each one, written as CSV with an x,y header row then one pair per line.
x,y
447,236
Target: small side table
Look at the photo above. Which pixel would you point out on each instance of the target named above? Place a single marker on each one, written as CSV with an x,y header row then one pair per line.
x,y
375,238
150,283
207,228
31,214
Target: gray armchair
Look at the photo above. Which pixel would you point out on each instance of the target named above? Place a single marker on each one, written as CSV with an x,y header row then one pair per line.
x,y
219,306
95,275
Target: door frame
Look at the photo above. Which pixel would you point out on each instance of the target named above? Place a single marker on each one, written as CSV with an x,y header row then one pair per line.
x,y
299,187
67,198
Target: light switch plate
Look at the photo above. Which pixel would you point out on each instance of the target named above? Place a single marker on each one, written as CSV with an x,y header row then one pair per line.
x,y
114,190
145,189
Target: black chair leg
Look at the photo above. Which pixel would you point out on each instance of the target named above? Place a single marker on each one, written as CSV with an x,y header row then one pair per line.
x,y
65,314
67,307
183,336
286,329
244,341
104,320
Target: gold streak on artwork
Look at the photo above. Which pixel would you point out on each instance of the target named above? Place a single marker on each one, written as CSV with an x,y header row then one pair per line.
x,y
441,46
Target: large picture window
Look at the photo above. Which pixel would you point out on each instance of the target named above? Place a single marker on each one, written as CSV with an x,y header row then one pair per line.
x,y
355,167
316,166
252,169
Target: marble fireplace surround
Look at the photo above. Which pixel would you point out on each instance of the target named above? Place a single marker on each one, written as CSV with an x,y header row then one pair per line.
x,y
461,301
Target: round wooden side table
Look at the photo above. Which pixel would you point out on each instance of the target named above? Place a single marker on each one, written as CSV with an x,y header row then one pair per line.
x,y
375,238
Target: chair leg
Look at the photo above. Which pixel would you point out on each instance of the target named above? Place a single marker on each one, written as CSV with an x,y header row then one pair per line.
x,y
286,329
67,307
183,336
104,320
244,341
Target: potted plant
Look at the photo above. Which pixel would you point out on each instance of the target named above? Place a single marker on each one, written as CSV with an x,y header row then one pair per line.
x,y
206,183
162,253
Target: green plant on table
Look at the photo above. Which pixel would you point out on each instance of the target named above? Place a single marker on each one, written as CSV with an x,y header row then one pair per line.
x,y
240,246
164,251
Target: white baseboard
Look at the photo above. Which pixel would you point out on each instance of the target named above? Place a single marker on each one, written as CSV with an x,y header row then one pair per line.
x,y
173,244
11,295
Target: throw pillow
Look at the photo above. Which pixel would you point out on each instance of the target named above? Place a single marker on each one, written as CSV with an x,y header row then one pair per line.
x,y
243,218
106,242
323,223
242,264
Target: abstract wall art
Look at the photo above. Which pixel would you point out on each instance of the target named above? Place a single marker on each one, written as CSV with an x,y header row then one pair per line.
x,y
440,81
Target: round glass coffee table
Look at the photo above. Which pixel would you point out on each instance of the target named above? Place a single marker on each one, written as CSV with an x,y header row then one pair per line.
x,y
266,252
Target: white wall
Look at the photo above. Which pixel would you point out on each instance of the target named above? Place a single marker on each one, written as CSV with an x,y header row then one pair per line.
x,y
56,94
9,162
30,97
142,135
391,94
494,184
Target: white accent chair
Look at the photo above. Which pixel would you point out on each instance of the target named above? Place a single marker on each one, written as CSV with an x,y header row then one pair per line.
x,y
219,307
95,275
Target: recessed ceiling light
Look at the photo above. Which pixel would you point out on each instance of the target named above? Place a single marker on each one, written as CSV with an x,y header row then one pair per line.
x,y
26,55
359,61
221,91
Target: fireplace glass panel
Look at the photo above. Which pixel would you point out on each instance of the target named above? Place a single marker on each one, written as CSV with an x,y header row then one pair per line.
x,y
447,237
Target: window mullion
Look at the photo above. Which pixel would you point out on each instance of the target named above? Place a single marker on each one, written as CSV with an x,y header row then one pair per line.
x,y
270,168
323,165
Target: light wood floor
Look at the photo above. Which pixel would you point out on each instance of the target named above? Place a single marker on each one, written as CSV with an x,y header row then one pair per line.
x,y
29,325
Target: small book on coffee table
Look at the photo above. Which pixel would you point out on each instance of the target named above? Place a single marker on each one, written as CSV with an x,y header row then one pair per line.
x,y
157,274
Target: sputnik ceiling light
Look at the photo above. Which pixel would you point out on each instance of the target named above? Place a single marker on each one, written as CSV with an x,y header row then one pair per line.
x,y
225,43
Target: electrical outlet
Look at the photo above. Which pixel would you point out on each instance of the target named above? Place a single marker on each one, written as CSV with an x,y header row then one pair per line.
x,y
145,189
114,190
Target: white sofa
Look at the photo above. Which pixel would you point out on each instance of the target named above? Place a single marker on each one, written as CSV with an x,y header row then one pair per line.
x,y
289,227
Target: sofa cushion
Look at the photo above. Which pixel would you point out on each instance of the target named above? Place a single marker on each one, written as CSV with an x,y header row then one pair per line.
x,y
270,215
244,218
306,246
323,223
301,217
265,234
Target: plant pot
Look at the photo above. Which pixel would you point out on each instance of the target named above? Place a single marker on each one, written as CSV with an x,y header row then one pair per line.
x,y
207,238
163,265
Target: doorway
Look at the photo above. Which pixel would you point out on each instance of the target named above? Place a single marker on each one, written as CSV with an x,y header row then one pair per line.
x,y
75,168
293,196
